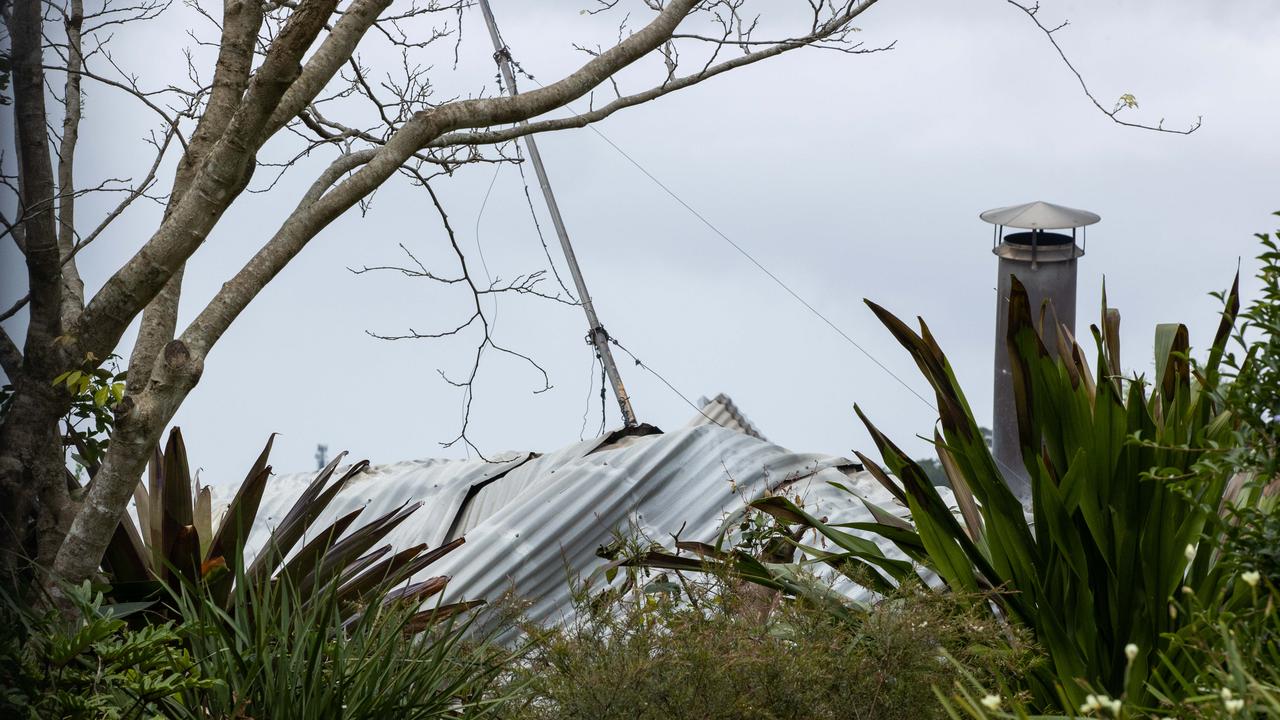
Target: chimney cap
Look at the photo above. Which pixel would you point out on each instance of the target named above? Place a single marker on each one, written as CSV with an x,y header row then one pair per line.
x,y
1040,215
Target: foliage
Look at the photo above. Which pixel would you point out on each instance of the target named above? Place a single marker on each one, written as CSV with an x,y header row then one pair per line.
x,y
1234,653
282,652
1254,401
95,668
1253,542
674,650
95,393
337,630
1235,644
1119,502
933,468
1254,397
1237,674
180,544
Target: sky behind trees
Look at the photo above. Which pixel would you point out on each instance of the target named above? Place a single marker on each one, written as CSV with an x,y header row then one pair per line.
x,y
847,176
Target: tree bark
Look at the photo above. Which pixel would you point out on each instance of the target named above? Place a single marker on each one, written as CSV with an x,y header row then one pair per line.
x,y
240,24
139,424
72,285
32,485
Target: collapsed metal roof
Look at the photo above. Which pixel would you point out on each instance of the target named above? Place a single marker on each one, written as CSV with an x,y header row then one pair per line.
x,y
534,522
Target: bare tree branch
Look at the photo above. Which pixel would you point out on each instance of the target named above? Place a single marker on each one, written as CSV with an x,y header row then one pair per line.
x,y
329,57
170,120
524,285
72,285
134,194
671,85
1125,102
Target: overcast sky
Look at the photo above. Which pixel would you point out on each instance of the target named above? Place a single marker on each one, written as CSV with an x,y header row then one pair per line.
x,y
847,176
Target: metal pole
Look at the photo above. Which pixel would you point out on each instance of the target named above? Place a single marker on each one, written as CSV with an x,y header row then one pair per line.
x,y
596,334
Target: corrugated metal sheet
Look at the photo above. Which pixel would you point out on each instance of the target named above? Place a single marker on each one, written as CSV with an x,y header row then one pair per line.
x,y
722,411
442,486
533,522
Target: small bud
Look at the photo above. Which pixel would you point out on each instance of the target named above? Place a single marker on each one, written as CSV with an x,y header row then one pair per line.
x,y
991,701
1131,651
1251,578
1190,552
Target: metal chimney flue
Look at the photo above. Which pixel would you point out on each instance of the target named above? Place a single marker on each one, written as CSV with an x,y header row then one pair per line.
x,y
1041,251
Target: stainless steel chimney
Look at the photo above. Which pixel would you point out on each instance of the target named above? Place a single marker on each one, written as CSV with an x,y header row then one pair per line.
x,y
1045,263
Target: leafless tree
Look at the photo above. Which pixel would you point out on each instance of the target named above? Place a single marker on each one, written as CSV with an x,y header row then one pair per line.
x,y
273,86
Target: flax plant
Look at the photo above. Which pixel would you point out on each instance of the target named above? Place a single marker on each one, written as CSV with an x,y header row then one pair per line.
x,y
1123,518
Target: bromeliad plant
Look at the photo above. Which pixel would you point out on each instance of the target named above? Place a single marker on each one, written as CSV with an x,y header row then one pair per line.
x,y
180,547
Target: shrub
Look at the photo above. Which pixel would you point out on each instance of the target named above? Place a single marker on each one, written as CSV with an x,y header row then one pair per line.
x,y
95,666
661,657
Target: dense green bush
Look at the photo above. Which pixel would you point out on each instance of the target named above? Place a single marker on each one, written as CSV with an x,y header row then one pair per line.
x,y
94,666
1253,397
656,656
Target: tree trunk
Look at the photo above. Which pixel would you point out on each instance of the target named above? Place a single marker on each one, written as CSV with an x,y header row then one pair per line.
x,y
35,505
33,490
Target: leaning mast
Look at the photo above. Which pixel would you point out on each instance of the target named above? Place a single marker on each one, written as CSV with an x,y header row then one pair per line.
x,y
596,333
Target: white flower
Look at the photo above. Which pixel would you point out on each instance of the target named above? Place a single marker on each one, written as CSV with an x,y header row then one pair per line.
x,y
1131,651
1251,578
1090,704
1190,552
1115,706
1225,693
991,701
1234,706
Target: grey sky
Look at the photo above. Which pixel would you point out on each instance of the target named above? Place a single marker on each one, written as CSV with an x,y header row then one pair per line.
x,y
849,177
